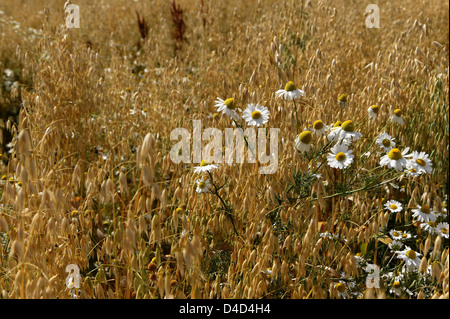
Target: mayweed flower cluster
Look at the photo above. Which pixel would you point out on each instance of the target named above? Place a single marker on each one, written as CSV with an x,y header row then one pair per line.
x,y
341,137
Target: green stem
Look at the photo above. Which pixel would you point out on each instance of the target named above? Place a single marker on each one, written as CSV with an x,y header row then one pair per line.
x,y
227,209
362,188
296,116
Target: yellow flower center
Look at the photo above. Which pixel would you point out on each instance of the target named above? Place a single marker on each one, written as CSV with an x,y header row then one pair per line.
x,y
305,137
398,112
338,123
290,86
395,234
230,103
395,154
340,287
412,170
203,163
405,235
425,209
386,142
420,161
340,156
348,126
396,284
318,125
393,206
432,224
375,108
411,254
201,185
342,98
444,230
256,115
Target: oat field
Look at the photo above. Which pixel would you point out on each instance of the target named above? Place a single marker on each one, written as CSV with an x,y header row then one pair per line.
x,y
354,120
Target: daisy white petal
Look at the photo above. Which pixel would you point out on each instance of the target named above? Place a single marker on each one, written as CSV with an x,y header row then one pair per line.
x,y
396,234
442,229
397,117
395,159
205,167
385,141
373,112
395,245
320,128
420,162
429,227
393,206
340,156
345,131
424,214
290,92
410,257
203,186
303,141
227,107
256,115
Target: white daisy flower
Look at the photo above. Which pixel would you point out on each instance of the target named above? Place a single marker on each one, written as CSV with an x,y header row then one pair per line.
x,y
360,261
429,227
393,206
442,228
256,115
203,186
340,156
395,245
424,214
320,128
396,234
290,92
420,162
397,117
345,131
373,112
411,258
342,100
395,159
205,167
406,235
398,287
341,289
227,107
386,142
328,234
303,141
412,172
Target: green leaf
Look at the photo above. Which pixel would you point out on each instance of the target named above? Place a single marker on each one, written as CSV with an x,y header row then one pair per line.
x,y
363,248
